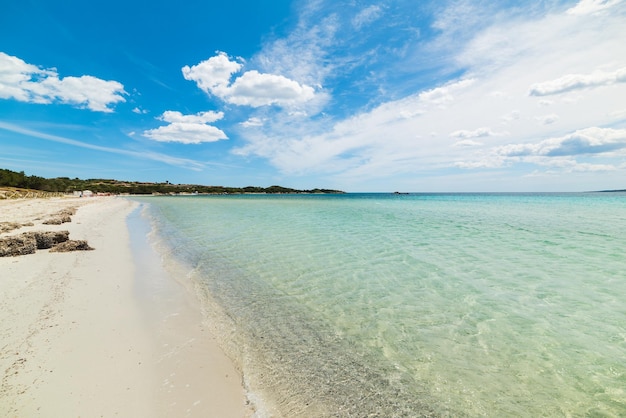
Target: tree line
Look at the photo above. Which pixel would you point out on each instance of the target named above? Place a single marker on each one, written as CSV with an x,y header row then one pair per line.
x,y
16,179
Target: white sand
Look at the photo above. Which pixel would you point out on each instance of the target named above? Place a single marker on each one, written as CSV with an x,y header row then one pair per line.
x,y
82,334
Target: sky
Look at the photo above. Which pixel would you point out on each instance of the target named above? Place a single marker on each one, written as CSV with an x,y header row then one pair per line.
x,y
356,95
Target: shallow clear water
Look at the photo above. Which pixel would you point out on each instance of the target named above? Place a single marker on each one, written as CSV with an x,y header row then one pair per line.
x,y
413,305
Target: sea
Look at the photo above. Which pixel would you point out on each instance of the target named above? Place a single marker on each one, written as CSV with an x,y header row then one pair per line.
x,y
410,305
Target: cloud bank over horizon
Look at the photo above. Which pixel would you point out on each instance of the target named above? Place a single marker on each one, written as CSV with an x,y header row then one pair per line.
x,y
465,123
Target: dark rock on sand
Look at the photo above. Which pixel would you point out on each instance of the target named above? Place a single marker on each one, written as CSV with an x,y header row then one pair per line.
x,y
48,239
71,245
57,220
28,242
61,217
19,245
68,211
10,226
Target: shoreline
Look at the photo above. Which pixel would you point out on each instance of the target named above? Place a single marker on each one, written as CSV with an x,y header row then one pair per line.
x,y
196,375
90,333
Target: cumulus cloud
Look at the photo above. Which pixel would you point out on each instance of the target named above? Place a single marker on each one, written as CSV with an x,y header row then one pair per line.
x,y
213,75
252,88
578,81
28,83
187,129
256,89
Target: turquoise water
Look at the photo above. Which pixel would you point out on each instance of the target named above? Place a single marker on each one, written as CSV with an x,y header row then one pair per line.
x,y
413,305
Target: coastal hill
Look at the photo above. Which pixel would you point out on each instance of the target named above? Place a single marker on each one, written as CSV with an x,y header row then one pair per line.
x,y
18,183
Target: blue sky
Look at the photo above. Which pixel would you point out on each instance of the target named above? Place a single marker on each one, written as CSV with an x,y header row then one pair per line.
x,y
357,95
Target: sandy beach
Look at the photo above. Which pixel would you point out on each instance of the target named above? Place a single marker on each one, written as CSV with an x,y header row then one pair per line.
x,y
103,333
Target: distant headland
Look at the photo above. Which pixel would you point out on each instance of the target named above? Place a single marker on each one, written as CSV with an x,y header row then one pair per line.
x,y
16,181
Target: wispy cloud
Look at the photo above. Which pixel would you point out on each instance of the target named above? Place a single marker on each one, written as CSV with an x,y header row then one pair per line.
x,y
572,82
548,119
476,133
144,155
585,7
367,16
426,131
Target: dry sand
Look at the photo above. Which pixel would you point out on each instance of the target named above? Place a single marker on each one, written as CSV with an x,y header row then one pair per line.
x,y
88,334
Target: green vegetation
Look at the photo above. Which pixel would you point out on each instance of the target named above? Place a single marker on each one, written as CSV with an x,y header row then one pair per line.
x,y
13,179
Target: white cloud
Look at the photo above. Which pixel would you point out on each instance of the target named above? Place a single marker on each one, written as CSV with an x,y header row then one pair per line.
x,y
578,81
585,7
28,83
202,117
581,142
486,162
512,116
304,55
367,16
256,89
379,137
558,152
586,167
467,143
187,129
213,75
396,137
250,89
548,119
476,133
252,122
618,114
440,96
567,165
